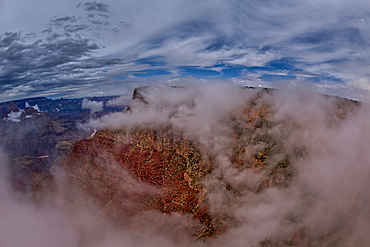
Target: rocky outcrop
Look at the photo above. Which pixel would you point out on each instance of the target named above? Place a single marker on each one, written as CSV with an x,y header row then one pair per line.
x,y
11,108
130,172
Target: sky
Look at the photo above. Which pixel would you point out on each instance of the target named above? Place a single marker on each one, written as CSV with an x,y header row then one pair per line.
x,y
79,49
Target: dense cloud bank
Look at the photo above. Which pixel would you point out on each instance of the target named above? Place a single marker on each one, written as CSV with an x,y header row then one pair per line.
x,y
61,58
93,106
59,65
329,188
328,195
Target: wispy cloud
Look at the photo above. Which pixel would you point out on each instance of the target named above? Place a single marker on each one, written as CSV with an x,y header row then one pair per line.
x,y
324,38
94,6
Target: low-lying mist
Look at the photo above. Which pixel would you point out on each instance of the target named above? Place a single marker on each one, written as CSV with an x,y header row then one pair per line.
x,y
321,201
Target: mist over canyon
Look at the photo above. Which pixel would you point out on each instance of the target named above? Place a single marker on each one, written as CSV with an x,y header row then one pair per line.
x,y
187,164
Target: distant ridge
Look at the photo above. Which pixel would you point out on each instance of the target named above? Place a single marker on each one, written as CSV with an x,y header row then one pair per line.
x,y
50,105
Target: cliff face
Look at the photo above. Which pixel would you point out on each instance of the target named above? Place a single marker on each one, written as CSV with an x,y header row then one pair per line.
x,y
33,137
130,172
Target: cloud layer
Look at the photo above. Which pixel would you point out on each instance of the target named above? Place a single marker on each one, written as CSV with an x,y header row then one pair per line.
x,y
80,46
328,188
327,195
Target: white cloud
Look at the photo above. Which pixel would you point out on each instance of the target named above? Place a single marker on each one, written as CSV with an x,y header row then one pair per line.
x,y
329,188
323,37
93,106
328,191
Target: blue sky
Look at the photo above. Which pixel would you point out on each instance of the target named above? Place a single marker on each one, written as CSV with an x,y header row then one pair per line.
x,y
76,49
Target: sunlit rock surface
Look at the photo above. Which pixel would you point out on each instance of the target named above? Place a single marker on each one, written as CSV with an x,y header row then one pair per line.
x,y
128,173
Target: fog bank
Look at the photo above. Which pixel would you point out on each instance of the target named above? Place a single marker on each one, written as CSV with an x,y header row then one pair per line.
x,y
322,140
